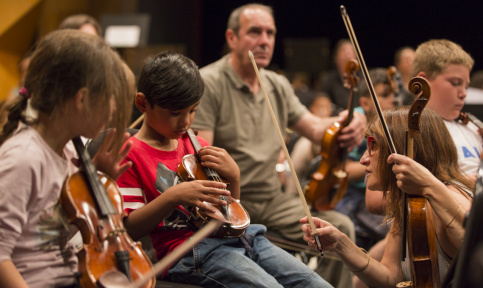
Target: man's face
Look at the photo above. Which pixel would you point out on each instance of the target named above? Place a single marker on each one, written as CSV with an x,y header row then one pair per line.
x,y
257,34
344,54
406,61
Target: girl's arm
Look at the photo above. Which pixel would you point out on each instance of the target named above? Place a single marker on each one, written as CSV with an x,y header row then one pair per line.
x,y
386,273
449,208
9,275
449,205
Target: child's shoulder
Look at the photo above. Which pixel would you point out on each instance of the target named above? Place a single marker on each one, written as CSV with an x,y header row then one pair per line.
x,y
24,140
139,146
26,148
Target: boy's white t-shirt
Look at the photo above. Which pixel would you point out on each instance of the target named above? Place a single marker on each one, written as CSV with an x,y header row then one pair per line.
x,y
469,145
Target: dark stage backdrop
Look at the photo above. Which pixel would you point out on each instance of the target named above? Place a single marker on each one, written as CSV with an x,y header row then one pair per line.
x,y
381,27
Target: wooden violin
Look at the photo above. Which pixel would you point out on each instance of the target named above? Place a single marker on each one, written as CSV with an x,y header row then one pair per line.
x,y
466,117
394,83
234,217
418,222
329,182
94,204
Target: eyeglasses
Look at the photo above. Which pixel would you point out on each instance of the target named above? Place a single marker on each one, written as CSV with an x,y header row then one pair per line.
x,y
371,145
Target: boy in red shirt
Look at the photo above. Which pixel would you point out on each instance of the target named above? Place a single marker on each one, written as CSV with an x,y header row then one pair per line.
x,y
170,89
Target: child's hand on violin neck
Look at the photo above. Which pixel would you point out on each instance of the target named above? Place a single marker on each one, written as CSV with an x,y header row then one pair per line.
x,y
219,160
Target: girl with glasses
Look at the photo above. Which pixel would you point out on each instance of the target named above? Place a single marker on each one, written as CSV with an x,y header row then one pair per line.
x,y
433,174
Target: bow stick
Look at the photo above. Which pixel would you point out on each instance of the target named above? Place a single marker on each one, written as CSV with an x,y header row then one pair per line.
x,y
289,160
176,254
357,49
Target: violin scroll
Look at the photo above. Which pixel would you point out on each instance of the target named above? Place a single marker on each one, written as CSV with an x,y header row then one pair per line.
x,y
421,89
391,74
350,76
419,85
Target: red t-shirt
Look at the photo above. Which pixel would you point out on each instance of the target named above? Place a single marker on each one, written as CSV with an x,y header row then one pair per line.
x,y
152,173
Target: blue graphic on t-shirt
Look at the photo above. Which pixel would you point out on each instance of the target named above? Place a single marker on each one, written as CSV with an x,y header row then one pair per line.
x,y
164,180
467,153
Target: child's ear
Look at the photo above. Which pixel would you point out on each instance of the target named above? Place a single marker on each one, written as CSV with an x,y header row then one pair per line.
x,y
141,102
81,98
423,74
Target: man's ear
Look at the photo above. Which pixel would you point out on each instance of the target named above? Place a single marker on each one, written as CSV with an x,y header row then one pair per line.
x,y
141,102
231,37
81,98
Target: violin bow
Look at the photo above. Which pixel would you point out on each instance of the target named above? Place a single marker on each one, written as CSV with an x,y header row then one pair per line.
x,y
287,156
177,253
136,122
365,72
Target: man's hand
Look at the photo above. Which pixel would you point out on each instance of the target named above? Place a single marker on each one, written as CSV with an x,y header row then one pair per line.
x,y
352,135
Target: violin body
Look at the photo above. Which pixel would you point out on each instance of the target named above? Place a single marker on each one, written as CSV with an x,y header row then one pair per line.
x,y
93,203
103,237
422,243
234,217
328,184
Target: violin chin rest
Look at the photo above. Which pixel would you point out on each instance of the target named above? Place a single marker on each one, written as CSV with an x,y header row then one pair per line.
x,y
113,279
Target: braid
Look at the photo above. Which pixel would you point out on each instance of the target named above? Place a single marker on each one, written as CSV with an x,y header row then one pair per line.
x,y
15,114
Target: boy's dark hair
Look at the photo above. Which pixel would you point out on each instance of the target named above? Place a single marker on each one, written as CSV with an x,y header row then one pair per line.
x,y
378,75
171,81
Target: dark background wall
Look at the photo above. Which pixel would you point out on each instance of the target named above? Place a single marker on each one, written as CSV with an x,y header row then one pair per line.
x,y
381,27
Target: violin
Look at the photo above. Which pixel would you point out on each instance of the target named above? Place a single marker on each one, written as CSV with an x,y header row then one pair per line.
x,y
233,216
329,182
93,203
418,222
466,117
394,82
